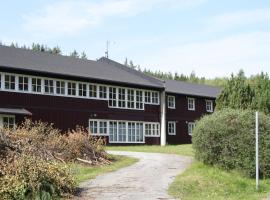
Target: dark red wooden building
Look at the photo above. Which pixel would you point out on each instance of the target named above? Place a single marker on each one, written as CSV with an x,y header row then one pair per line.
x,y
114,101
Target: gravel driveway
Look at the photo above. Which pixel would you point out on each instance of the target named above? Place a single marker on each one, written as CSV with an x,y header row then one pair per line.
x,y
147,179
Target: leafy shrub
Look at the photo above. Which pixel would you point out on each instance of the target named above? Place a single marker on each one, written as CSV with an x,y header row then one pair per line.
x,y
227,139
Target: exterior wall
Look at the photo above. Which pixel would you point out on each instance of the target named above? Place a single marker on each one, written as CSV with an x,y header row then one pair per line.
x,y
181,115
67,112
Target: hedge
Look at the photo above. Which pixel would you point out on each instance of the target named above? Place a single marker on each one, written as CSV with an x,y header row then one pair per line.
x,y
227,139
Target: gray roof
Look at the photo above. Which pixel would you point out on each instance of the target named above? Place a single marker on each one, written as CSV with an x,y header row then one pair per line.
x,y
18,111
23,59
181,87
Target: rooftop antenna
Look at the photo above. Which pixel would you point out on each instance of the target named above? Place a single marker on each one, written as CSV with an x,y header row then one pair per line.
x,y
107,49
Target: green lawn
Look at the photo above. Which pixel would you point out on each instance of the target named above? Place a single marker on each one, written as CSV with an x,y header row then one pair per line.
x,y
184,149
82,172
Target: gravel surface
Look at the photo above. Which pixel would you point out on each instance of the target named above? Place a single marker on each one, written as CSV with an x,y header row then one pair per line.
x,y
147,179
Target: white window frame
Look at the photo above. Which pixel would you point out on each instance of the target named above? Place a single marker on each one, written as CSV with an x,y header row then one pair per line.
x,y
191,101
10,83
9,116
173,123
191,126
36,85
171,101
151,129
24,83
207,106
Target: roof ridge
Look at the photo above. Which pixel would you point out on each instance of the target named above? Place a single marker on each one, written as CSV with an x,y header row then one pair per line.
x,y
186,82
134,71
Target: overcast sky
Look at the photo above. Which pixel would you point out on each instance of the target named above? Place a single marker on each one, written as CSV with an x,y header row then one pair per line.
x,y
213,38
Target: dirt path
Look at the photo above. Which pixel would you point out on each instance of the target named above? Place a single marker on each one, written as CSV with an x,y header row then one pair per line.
x,y
147,179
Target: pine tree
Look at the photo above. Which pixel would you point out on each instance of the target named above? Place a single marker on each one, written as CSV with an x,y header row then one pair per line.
x,y
83,55
74,54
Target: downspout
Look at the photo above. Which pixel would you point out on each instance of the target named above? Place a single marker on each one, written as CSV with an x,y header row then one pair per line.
x,y
163,116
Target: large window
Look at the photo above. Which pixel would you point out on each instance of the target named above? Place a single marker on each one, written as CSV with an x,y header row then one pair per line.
x,y
23,83
112,97
209,105
121,97
82,90
191,104
113,131
10,82
171,128
191,126
171,102
102,92
36,85
60,87
122,132
92,91
7,121
48,86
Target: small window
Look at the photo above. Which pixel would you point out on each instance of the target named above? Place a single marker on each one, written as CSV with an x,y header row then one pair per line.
x,y
9,82
93,127
8,122
92,91
36,85
82,89
155,98
139,99
147,97
209,105
23,83
102,92
151,129
191,104
112,97
121,97
130,98
103,128
191,126
60,87
171,128
171,102
49,86
71,88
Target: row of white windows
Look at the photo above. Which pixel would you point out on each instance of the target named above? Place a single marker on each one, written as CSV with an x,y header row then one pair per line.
x,y
124,131
172,127
7,121
191,104
118,97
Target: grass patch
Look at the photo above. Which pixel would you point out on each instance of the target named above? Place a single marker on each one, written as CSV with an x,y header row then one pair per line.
x,y
83,173
205,182
183,149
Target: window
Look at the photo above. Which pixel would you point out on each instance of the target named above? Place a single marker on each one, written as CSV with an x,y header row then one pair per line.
x,y
7,121
92,91
171,102
48,86
147,97
131,132
60,87
171,128
130,98
139,99
71,89
102,92
113,131
139,132
151,129
155,98
122,132
121,97
191,104
93,126
102,127
23,83
112,96
36,85
209,105
82,89
191,126
9,82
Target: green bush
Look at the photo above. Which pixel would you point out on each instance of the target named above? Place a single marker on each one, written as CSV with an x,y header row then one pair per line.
x,y
227,139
